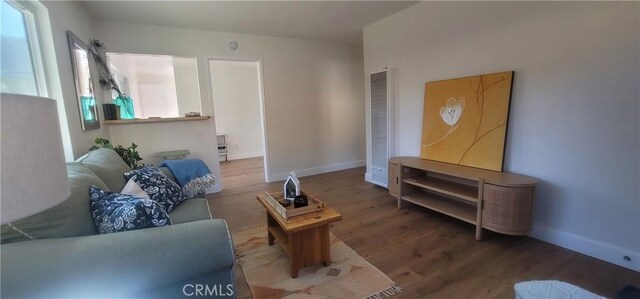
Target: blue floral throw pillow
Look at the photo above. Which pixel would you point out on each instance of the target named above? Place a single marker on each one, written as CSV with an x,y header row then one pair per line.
x,y
115,212
158,186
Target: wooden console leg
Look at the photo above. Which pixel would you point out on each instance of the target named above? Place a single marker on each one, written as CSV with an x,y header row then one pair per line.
x,y
479,210
296,253
295,267
270,237
400,178
325,245
270,222
478,233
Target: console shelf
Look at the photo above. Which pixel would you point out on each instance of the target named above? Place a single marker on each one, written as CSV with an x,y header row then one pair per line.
x,y
498,201
461,191
282,237
462,211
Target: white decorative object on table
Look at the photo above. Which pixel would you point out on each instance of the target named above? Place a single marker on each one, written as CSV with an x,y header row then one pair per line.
x,y
291,187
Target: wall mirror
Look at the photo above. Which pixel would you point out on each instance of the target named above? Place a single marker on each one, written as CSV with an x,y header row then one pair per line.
x,y
159,85
84,84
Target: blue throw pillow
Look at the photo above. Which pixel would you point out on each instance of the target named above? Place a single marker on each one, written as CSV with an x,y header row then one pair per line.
x,y
115,212
158,186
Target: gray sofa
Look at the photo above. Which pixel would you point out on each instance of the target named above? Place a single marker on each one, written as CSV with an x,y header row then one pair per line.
x,y
67,258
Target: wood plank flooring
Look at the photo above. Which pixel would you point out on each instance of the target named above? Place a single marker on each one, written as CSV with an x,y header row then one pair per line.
x,y
243,173
428,254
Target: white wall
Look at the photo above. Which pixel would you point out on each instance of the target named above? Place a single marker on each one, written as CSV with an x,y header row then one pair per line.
x,y
152,138
312,90
187,89
66,15
236,106
157,95
574,120
153,83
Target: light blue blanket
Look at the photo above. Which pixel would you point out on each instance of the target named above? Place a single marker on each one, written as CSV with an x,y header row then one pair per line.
x,y
191,174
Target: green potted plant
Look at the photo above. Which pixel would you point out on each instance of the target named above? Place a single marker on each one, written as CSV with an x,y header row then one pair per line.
x,y
129,154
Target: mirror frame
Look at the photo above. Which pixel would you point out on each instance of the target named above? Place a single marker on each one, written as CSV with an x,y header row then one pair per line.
x,y
86,124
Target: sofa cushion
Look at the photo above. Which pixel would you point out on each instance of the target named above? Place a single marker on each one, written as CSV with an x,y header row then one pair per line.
x,y
108,165
191,210
132,188
70,218
158,186
116,212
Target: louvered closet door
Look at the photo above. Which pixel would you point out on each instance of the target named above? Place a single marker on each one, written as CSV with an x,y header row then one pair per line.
x,y
379,128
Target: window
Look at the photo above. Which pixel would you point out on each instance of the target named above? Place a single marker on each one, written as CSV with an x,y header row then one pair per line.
x,y
26,36
21,69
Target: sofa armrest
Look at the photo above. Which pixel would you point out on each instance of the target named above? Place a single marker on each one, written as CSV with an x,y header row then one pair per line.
x,y
118,264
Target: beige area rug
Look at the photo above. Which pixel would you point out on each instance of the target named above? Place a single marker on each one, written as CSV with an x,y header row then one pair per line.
x,y
266,269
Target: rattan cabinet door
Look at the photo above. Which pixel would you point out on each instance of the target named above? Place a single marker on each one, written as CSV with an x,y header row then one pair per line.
x,y
507,210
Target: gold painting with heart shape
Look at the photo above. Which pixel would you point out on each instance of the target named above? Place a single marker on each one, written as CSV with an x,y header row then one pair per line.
x,y
465,120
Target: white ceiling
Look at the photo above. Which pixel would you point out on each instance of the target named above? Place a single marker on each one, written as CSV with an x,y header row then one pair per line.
x,y
334,21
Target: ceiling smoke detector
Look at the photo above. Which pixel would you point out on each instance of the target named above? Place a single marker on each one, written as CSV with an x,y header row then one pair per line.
x,y
233,45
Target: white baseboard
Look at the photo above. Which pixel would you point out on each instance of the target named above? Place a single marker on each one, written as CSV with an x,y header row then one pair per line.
x,y
239,156
317,170
606,252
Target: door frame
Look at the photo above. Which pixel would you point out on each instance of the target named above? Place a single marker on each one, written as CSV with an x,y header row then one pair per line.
x,y
261,99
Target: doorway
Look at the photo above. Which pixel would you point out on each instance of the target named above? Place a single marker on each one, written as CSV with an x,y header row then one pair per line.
x,y
238,105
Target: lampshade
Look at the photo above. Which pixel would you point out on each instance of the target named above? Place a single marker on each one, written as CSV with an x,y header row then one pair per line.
x,y
33,174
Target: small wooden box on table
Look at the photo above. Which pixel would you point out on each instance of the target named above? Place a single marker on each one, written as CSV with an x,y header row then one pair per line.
x,y
305,238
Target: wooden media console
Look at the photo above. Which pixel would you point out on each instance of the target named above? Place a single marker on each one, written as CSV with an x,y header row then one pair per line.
x,y
498,201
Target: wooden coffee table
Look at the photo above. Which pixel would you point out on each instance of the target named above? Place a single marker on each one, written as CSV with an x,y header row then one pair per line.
x,y
305,238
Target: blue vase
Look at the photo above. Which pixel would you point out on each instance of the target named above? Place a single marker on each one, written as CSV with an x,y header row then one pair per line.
x,y
88,107
125,105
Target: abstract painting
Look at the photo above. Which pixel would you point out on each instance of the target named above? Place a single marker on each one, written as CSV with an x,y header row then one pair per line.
x,y
465,120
